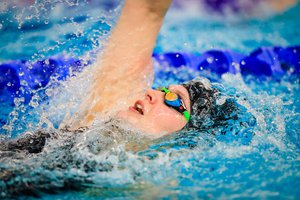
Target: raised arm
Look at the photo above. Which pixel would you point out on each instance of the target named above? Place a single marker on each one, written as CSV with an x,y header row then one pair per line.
x,y
281,5
133,39
124,68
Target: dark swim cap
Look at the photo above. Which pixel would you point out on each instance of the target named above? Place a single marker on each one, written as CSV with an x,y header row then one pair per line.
x,y
203,98
217,113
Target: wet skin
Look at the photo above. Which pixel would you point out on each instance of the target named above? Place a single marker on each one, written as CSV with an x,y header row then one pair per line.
x,y
154,116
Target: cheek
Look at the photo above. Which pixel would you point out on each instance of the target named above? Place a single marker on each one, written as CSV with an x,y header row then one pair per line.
x,y
170,121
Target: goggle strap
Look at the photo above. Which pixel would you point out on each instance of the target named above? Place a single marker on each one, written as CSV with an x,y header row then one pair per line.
x,y
165,90
186,115
182,103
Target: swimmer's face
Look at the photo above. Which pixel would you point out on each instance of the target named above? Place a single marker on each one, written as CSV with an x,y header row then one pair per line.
x,y
152,115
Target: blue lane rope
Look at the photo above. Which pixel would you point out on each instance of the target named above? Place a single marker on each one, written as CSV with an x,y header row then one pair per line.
x,y
19,77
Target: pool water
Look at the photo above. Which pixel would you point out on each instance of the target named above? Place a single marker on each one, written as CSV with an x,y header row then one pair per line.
x,y
260,160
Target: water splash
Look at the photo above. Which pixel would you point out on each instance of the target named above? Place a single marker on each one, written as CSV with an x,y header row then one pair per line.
x,y
99,162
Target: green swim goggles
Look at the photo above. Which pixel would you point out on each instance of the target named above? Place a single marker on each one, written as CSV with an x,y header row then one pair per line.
x,y
174,101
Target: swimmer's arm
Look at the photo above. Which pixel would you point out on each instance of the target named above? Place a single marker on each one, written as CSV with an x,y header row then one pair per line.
x,y
281,5
132,41
126,63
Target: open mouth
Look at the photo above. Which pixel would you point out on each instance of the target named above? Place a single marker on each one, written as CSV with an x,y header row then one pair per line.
x,y
138,106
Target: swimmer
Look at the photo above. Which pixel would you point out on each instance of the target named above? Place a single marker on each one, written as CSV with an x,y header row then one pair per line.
x,y
122,74
125,70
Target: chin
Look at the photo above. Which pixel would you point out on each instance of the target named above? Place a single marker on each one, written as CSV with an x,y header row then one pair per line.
x,y
128,117
122,114
137,123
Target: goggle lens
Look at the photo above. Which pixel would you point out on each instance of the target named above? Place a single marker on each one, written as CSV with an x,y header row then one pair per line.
x,y
173,100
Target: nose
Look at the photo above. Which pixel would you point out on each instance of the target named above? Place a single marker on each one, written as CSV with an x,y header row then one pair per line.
x,y
152,96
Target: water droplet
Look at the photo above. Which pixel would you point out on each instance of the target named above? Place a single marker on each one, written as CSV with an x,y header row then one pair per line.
x,y
210,60
49,92
34,103
72,2
47,62
23,82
